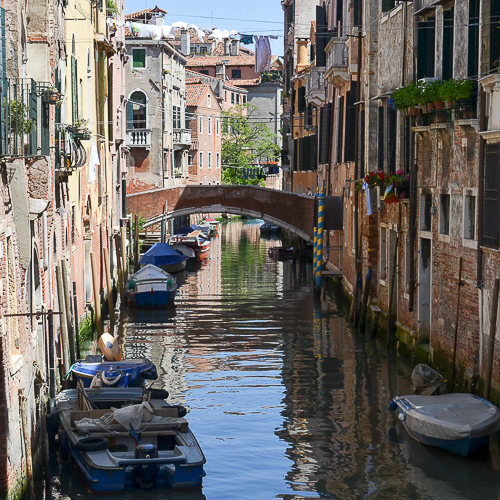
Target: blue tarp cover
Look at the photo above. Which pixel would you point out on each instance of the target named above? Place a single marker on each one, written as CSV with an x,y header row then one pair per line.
x,y
162,254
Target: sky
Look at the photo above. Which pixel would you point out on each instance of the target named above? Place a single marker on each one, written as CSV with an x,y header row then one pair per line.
x,y
265,17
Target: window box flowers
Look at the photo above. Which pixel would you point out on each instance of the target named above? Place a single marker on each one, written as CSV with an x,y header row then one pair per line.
x,y
393,183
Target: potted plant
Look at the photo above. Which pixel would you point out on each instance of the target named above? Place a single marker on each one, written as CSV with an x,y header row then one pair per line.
x,y
80,125
406,97
448,92
464,89
430,94
51,95
18,120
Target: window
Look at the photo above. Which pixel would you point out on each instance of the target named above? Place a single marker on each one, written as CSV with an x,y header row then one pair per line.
x,y
176,117
244,99
407,263
217,160
200,126
470,217
236,73
444,214
387,5
186,119
137,110
209,101
190,160
204,71
139,58
426,48
447,72
217,126
209,126
425,212
491,203
203,50
232,97
209,160
383,253
201,159
237,98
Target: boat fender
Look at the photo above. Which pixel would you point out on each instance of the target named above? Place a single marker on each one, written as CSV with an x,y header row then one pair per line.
x,y
402,417
92,444
158,393
150,374
64,451
96,381
134,376
393,406
111,380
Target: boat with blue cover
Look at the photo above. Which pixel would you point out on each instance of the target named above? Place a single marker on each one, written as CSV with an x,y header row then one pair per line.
x,y
123,373
165,257
151,286
125,438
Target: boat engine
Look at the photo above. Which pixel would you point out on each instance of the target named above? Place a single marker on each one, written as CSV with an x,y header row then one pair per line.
x,y
145,474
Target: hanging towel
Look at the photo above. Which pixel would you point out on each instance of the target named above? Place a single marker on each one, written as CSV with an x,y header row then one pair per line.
x,y
136,28
246,39
368,193
390,195
262,54
94,161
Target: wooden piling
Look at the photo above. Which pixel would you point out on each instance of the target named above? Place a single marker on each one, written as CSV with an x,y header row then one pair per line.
x,y
491,342
75,317
97,299
136,243
27,444
124,253
393,279
455,336
119,264
45,446
364,302
376,316
109,285
69,319
62,321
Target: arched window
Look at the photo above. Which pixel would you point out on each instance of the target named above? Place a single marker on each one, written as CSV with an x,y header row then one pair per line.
x,y
137,110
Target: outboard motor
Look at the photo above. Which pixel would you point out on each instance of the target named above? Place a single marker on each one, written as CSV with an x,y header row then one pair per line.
x,y
427,381
146,473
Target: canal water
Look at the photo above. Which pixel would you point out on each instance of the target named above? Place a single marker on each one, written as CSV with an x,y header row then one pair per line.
x,y
286,400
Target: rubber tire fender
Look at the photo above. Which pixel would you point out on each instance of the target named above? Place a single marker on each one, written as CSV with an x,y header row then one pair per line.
x,y
92,444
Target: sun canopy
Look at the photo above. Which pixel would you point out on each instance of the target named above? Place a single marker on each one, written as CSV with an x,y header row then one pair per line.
x,y
162,254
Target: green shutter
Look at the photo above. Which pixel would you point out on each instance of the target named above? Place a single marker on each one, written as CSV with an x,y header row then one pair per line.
x,y
74,89
139,56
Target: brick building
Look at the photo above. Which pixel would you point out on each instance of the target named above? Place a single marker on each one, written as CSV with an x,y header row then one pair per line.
x,y
447,211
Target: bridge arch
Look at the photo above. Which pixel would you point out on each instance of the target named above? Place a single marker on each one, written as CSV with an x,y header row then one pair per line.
x,y
291,211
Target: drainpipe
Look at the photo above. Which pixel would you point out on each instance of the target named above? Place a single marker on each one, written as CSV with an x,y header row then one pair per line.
x,y
482,147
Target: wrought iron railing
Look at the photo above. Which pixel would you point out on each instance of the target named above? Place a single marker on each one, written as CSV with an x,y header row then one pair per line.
x,y
22,128
70,153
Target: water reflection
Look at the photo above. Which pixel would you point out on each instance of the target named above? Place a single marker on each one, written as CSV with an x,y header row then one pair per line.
x,y
285,399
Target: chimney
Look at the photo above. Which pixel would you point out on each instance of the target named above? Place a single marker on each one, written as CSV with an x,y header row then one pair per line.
x,y
185,42
226,46
159,21
220,71
235,48
302,56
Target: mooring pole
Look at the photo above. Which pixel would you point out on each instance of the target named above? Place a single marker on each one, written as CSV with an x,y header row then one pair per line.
x,y
315,255
319,245
491,342
52,359
75,315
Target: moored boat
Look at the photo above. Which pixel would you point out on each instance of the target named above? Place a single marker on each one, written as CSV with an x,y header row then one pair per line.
x,y
151,286
267,228
121,438
194,240
459,423
165,257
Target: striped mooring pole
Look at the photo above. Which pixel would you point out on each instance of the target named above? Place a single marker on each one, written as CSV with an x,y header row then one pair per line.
x,y
315,260
319,245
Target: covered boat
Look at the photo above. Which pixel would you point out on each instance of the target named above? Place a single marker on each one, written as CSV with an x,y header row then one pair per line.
x,y
151,286
267,228
121,438
165,257
184,250
194,240
459,423
123,373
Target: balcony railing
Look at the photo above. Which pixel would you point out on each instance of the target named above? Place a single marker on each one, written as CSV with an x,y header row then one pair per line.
x,y
138,138
182,136
70,153
315,86
194,143
337,62
24,119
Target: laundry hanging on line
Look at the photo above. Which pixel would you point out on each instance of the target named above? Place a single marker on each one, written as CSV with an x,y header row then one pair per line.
x,y
263,55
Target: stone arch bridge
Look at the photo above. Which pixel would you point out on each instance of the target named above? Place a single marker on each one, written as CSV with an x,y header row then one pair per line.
x,y
291,211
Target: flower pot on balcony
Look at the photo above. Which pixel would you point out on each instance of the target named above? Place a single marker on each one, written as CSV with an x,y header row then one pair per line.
x,y
51,96
439,104
431,106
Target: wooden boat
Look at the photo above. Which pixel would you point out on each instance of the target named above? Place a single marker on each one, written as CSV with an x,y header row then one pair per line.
x,y
280,253
123,373
121,438
459,423
165,257
194,240
184,250
151,286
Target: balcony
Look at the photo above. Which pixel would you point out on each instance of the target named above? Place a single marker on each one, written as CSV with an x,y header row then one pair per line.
x,y
138,138
315,86
337,62
24,119
182,138
194,143
69,151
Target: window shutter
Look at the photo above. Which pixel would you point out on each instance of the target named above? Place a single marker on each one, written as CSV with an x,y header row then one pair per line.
x,y
74,89
491,205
